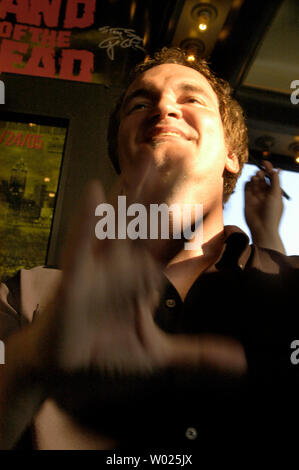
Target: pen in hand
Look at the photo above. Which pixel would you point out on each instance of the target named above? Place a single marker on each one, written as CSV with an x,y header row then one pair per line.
x,y
267,175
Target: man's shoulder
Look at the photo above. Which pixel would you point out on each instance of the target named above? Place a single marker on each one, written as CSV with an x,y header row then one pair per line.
x,y
265,259
272,260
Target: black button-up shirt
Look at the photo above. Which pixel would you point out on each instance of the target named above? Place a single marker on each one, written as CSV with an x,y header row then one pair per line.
x,y
249,294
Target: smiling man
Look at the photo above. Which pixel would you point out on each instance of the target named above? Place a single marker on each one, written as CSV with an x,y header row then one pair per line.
x,y
176,113
171,115
145,344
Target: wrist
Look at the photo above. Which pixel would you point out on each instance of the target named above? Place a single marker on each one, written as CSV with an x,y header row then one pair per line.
x,y
268,240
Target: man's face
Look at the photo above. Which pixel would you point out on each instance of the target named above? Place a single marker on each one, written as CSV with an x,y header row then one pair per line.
x,y
170,117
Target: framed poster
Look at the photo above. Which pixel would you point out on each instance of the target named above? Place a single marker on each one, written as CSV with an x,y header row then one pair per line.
x,y
30,163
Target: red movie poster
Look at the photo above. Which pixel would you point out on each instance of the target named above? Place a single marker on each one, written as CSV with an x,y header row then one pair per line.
x,y
60,39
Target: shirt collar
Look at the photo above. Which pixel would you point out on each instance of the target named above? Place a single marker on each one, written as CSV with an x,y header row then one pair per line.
x,y
236,249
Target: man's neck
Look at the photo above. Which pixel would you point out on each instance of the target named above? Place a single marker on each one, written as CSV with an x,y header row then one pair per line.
x,y
184,268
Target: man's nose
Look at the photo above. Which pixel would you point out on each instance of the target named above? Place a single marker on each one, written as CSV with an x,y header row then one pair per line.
x,y
166,107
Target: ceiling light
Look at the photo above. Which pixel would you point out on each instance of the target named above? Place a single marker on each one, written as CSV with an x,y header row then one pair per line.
x,y
204,14
265,143
204,20
132,10
294,148
193,47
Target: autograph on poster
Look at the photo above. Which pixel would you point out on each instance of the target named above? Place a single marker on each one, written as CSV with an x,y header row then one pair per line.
x,y
122,37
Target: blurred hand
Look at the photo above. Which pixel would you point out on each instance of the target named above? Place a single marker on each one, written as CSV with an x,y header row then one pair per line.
x,y
103,314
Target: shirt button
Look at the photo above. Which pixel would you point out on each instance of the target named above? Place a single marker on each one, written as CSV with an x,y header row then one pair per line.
x,y
170,303
191,434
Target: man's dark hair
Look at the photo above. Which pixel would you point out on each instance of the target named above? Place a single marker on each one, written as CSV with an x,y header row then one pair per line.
x,y
231,113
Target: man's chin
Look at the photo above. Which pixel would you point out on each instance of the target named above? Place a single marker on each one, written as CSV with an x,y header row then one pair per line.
x,y
165,152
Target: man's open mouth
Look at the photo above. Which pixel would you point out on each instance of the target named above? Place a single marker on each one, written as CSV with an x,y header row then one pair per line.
x,y
158,133
166,134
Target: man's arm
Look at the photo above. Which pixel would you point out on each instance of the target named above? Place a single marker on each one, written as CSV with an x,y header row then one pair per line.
x,y
20,393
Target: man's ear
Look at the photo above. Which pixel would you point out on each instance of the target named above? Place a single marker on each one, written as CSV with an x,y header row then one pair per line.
x,y
232,163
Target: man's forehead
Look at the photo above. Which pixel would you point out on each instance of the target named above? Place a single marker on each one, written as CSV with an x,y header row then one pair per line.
x,y
176,76
172,74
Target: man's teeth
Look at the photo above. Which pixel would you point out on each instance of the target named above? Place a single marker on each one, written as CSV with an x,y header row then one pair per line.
x,y
168,133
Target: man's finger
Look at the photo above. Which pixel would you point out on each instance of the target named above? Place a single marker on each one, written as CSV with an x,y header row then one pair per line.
x,y
213,352
81,239
252,187
273,176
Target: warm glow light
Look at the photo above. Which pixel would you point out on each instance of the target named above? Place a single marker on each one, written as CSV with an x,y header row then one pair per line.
x,y
237,3
223,34
32,124
191,58
294,148
204,20
132,10
202,26
47,180
51,194
266,153
145,38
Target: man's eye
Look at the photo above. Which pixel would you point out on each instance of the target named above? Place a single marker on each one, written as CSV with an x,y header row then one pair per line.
x,y
139,106
192,99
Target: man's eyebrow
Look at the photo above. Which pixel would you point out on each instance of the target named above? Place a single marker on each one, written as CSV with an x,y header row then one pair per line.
x,y
193,88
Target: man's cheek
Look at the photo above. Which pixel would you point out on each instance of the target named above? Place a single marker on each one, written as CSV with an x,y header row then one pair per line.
x,y
211,142
213,132
128,152
211,128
